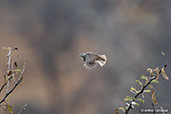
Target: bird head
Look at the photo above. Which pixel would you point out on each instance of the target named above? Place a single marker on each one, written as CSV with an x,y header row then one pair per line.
x,y
83,56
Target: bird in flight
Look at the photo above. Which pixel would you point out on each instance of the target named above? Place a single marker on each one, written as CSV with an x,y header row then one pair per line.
x,y
92,59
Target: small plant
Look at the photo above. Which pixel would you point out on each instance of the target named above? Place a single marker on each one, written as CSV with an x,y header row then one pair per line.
x,y
146,87
12,78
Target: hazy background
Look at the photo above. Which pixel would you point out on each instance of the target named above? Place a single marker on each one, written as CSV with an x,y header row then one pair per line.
x,y
50,34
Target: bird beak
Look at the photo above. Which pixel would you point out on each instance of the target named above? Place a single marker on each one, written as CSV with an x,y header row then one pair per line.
x,y
81,57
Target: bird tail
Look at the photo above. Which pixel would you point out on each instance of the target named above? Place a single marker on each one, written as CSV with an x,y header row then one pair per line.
x,y
102,60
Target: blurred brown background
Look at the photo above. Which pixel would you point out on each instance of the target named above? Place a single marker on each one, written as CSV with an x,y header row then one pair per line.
x,y
50,34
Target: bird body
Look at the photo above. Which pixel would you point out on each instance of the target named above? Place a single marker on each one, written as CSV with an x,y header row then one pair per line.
x,y
92,59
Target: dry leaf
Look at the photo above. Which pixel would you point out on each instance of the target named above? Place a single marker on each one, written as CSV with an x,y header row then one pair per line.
x,y
116,111
15,49
151,71
164,74
153,97
9,73
157,73
15,63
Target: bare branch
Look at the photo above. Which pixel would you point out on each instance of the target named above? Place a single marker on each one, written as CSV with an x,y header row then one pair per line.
x,y
23,108
2,87
153,105
16,84
8,67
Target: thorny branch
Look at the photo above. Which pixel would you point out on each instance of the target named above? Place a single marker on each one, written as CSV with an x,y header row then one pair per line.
x,y
142,90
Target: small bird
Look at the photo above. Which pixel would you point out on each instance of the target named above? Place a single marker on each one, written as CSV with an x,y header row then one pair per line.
x,y
92,59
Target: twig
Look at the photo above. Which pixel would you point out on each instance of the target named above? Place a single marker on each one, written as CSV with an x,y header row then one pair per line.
x,y
22,109
9,60
2,87
16,84
8,67
142,91
153,105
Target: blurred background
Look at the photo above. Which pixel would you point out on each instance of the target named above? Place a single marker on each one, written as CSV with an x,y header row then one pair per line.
x,y
50,35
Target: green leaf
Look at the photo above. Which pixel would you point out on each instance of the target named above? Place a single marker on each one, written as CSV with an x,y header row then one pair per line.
x,y
133,90
121,108
150,86
17,71
126,107
147,91
139,82
149,69
137,104
145,78
140,100
9,108
154,81
128,98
